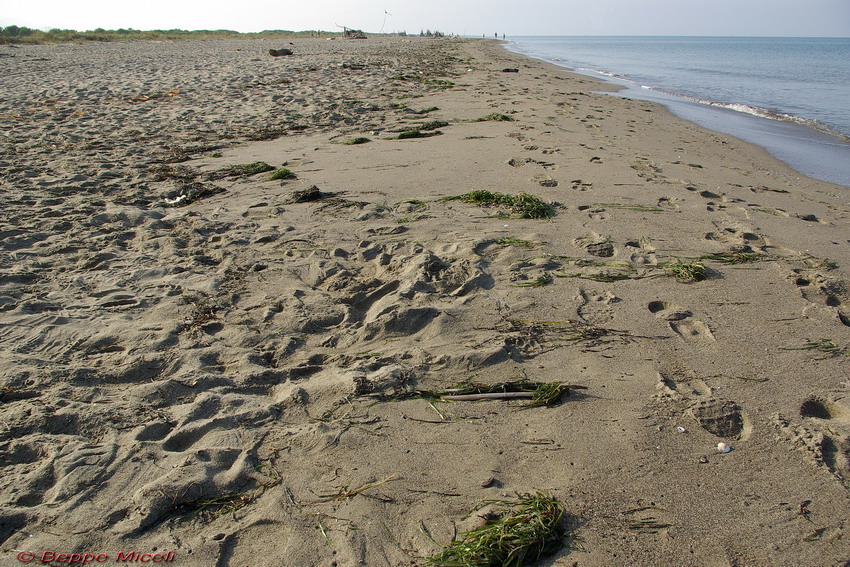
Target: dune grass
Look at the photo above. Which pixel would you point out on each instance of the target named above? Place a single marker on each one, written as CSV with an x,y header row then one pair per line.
x,y
24,35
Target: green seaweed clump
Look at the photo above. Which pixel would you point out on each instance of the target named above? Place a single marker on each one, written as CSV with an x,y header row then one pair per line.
x,y
826,346
433,125
281,173
522,205
542,280
408,134
355,141
523,531
735,257
494,117
687,271
241,170
253,168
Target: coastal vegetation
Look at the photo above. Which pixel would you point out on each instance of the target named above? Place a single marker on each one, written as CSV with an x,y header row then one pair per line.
x,y
21,34
282,173
494,117
433,125
523,205
251,168
518,532
409,134
685,271
542,280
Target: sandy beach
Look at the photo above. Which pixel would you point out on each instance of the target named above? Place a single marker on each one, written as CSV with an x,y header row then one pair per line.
x,y
217,361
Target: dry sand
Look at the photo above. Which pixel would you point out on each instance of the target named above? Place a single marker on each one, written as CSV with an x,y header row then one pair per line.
x,y
202,379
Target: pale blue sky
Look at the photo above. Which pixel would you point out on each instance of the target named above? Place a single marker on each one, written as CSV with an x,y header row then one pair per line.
x,y
512,17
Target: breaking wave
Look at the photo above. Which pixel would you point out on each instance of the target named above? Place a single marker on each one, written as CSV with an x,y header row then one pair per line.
x,y
734,106
757,111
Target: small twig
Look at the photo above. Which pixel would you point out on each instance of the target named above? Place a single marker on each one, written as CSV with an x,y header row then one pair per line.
x,y
433,407
424,529
324,533
424,420
344,493
748,379
290,496
435,492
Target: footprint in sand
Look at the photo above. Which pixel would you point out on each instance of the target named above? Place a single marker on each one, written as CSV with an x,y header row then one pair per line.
x,y
825,409
545,180
596,213
739,235
648,170
818,287
595,307
596,245
723,418
823,433
547,165
669,203
519,162
642,253
681,321
680,385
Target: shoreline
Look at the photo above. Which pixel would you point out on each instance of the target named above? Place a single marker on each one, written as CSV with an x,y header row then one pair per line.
x,y
234,378
813,151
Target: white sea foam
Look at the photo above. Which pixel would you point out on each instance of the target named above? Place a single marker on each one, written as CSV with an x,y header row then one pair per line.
x,y
756,111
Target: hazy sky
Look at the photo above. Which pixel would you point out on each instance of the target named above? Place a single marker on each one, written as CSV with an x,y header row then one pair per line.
x,y
512,17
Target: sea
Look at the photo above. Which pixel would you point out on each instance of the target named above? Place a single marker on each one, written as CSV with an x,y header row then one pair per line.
x,y
788,95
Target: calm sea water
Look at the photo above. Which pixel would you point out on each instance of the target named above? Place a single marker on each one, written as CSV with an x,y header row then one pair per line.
x,y
790,95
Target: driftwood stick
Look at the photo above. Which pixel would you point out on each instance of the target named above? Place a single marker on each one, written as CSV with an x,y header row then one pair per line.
x,y
491,396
